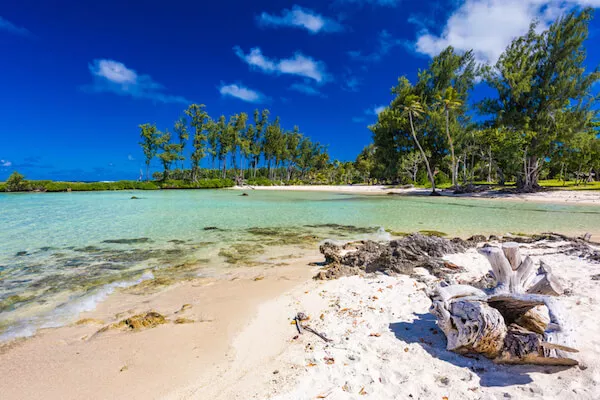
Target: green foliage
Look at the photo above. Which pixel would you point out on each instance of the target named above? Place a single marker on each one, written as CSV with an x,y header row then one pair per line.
x,y
259,181
16,183
198,184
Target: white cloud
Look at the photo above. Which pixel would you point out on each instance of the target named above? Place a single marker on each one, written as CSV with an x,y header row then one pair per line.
x,y
242,93
488,26
373,110
8,26
114,77
5,163
306,89
130,157
385,43
303,18
299,64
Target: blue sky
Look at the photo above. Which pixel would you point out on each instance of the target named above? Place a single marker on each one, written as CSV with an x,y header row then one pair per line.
x,y
78,77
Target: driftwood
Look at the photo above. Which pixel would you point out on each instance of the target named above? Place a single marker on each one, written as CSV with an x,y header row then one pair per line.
x,y
301,328
514,322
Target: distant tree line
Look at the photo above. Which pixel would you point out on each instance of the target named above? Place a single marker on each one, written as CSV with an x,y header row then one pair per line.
x,y
541,123
237,148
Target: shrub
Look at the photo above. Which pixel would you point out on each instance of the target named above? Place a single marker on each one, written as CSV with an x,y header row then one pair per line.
x,y
16,183
441,178
259,181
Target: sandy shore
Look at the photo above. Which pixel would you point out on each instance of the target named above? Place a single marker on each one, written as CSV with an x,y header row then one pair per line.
x,y
554,196
77,362
386,345
241,344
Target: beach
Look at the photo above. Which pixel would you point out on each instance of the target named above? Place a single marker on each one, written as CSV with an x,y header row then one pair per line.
x,y
217,293
591,197
242,343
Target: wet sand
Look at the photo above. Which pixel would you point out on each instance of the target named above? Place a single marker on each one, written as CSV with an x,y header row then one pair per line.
x,y
75,362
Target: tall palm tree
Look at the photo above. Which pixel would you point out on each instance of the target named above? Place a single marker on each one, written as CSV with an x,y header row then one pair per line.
x,y
414,109
449,100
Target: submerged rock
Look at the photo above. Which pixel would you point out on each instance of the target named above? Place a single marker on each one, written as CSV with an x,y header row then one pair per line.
x,y
128,241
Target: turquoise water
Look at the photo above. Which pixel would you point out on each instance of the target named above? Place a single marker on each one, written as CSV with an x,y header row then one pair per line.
x,y
62,253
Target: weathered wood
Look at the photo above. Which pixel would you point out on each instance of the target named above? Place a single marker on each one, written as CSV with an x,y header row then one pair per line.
x,y
516,323
525,273
512,254
548,285
471,327
500,267
535,320
513,307
452,292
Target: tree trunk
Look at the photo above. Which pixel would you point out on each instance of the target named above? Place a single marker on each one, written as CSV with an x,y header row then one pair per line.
x,y
429,173
489,177
451,148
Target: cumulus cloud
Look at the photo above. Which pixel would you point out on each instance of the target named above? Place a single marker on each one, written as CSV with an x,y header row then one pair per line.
x,y
8,26
385,43
114,77
242,93
306,89
488,26
5,163
130,157
302,18
298,64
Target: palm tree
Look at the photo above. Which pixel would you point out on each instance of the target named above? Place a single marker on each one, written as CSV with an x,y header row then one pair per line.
x,y
449,100
414,109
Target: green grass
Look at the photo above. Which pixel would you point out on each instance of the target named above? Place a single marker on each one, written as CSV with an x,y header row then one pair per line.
x,y
569,185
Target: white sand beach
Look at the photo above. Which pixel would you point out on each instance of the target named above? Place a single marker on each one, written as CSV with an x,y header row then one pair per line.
x,y
582,197
386,345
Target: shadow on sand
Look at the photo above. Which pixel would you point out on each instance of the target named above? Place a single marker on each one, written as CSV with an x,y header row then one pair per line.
x,y
424,332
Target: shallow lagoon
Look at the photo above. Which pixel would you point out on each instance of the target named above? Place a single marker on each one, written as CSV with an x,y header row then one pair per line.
x,y
62,253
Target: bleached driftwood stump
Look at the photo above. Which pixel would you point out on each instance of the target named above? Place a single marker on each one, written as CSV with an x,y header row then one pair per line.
x,y
512,323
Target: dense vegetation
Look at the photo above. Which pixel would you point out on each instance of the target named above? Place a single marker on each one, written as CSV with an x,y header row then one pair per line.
x,y
541,123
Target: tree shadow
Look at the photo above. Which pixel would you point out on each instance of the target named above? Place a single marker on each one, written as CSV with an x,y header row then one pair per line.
x,y
425,332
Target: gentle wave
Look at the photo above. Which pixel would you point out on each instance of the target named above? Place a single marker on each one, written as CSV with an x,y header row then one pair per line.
x,y
66,312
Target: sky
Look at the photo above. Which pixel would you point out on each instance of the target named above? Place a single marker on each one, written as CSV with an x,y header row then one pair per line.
x,y
78,77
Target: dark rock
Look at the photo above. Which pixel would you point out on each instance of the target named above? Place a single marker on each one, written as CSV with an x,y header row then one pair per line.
x,y
134,198
477,239
596,277
397,256
20,253
128,241
331,252
244,194
493,238
211,228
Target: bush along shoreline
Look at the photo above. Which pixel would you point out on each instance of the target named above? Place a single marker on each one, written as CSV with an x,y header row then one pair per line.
x,y
17,183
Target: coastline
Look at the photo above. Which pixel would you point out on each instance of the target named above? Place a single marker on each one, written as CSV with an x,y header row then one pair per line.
x,y
241,344
154,362
549,196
